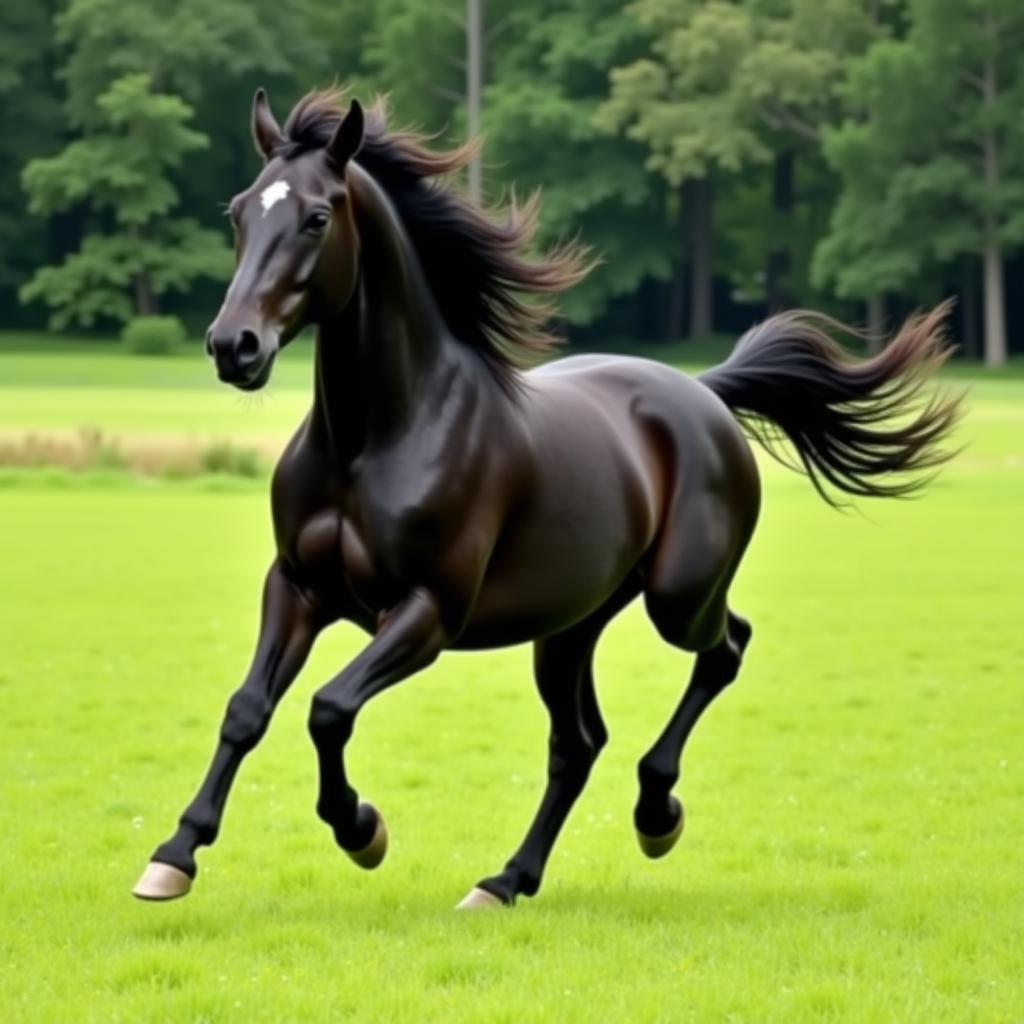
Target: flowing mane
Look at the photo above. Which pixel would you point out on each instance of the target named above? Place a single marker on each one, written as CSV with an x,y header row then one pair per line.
x,y
474,259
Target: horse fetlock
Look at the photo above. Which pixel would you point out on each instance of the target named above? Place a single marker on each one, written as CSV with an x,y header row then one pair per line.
x,y
515,880
204,826
657,776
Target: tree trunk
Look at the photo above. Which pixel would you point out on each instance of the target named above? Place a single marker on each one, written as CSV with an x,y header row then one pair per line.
x,y
674,306
992,254
876,322
145,300
675,294
995,301
969,307
778,253
474,87
697,210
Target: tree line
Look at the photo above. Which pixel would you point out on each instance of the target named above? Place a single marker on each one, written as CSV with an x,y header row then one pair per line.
x,y
722,157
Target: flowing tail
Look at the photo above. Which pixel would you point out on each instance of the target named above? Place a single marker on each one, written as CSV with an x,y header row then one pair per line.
x,y
862,426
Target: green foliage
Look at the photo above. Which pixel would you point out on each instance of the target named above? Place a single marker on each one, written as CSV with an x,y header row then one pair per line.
x,y
425,91
682,100
120,172
183,47
153,335
121,168
931,157
225,457
94,284
910,153
29,127
549,78
119,116
728,88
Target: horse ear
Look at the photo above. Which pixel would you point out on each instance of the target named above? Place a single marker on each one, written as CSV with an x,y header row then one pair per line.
x,y
348,136
266,132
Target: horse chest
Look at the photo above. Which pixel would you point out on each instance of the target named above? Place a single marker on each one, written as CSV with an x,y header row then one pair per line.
x,y
385,526
336,554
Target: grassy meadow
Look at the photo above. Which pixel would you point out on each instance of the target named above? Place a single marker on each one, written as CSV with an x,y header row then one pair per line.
x,y
855,803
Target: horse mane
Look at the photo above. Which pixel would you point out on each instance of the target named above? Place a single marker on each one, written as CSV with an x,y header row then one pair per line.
x,y
489,291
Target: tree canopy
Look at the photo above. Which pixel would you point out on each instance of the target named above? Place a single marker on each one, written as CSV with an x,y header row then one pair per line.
x,y
721,157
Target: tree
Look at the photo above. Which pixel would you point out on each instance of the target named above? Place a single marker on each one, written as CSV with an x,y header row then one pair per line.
x,y
120,170
545,73
121,253
678,101
186,48
547,79
30,125
728,87
932,164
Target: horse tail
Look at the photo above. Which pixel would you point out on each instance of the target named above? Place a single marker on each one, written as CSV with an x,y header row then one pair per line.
x,y
863,426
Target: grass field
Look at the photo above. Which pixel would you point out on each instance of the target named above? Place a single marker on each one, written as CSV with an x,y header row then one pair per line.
x,y
855,803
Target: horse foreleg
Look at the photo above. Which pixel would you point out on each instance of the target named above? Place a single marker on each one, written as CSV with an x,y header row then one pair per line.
x,y
287,630
410,638
562,667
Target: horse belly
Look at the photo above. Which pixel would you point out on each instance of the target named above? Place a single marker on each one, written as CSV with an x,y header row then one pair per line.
x,y
561,561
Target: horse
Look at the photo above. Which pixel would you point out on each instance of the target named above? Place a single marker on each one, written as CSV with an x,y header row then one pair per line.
x,y
440,495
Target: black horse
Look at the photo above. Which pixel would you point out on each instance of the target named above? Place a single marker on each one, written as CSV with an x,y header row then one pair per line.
x,y
439,497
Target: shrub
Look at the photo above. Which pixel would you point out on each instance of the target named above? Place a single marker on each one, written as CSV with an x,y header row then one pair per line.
x,y
224,457
153,335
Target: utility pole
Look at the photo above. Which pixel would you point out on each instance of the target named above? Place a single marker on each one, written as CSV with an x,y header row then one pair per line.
x,y
474,86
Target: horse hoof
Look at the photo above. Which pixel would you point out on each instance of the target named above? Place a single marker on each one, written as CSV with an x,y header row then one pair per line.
x,y
162,882
657,846
479,899
373,852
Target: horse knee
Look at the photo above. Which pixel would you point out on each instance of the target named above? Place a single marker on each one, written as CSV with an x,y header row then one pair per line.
x,y
246,720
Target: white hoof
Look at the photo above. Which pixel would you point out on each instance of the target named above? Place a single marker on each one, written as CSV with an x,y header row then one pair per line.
x,y
162,882
479,899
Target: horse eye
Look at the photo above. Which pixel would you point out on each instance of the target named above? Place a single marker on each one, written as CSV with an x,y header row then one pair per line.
x,y
316,223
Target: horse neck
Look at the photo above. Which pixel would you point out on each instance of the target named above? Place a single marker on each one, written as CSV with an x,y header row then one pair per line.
x,y
388,351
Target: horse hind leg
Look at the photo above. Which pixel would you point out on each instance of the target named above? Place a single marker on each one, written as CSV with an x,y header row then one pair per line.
x,y
659,816
686,599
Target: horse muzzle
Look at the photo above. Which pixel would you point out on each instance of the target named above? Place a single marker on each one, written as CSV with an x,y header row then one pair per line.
x,y
243,356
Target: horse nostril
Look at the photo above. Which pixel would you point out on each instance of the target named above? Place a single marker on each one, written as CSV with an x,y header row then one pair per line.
x,y
248,347
209,343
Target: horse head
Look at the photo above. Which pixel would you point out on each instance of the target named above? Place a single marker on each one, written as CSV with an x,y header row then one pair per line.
x,y
296,246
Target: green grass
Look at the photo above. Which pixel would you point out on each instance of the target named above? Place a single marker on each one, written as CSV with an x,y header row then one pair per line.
x,y
49,385
855,803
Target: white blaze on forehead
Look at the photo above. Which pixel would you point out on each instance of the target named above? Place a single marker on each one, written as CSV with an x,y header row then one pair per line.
x,y
273,194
